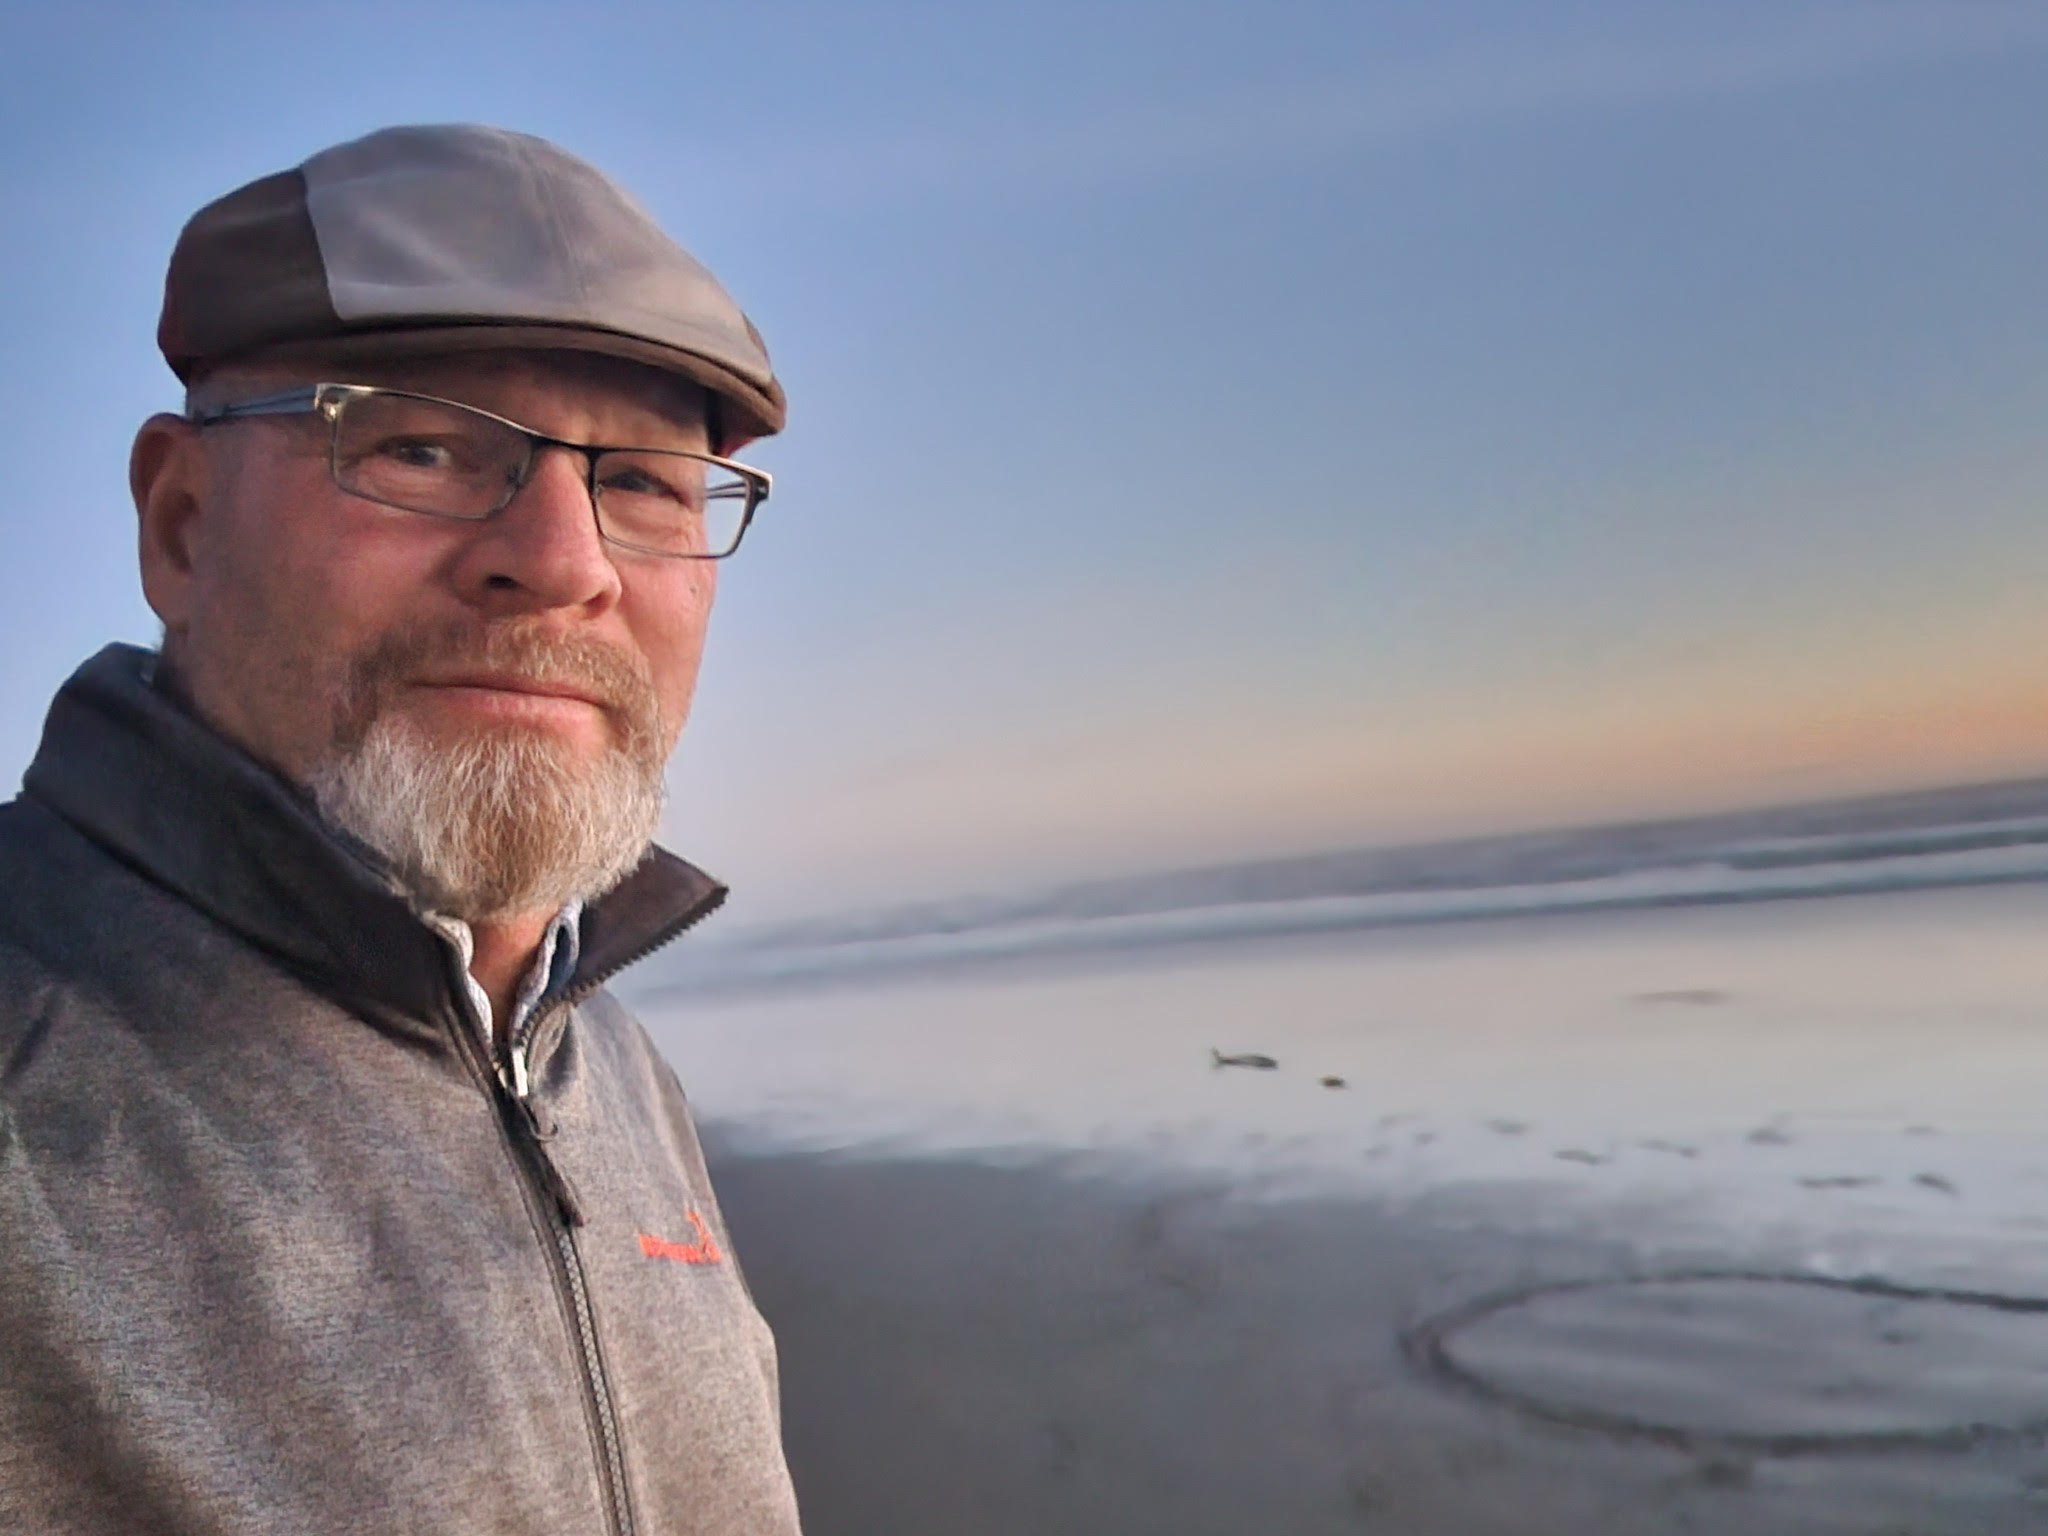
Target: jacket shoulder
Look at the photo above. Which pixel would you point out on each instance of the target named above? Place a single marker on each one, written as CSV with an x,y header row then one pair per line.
x,y
48,868
35,992
54,879
82,933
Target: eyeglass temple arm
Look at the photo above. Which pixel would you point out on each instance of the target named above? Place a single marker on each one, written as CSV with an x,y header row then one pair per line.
x,y
286,403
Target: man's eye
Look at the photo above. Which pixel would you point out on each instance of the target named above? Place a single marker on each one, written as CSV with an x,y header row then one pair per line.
x,y
416,453
637,482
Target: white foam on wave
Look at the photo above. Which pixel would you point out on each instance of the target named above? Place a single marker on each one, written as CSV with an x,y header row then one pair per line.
x,y
1711,881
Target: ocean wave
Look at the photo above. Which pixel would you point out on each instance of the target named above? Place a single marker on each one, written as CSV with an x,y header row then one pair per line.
x,y
1972,835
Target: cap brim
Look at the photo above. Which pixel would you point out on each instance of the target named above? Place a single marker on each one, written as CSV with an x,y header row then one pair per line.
x,y
747,410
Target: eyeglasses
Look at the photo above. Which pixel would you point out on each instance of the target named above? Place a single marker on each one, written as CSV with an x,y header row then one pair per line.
x,y
422,454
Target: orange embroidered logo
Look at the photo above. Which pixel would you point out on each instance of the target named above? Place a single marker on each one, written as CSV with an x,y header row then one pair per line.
x,y
703,1251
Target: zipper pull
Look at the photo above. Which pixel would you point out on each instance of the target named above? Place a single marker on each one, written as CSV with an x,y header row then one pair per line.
x,y
567,1202
534,1129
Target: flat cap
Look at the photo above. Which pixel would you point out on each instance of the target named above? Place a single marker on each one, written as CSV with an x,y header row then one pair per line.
x,y
456,238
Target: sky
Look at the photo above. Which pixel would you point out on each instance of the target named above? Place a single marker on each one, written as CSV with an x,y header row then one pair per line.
x,y
1216,429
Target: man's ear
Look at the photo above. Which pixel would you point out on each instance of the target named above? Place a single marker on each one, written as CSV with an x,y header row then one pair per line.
x,y
168,475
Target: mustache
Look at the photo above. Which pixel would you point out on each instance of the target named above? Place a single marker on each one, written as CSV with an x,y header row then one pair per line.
x,y
617,680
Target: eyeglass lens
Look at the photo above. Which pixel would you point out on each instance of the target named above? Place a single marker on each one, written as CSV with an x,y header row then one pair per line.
x,y
439,458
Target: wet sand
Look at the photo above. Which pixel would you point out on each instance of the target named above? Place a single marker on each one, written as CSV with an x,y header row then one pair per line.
x,y
1037,1264
1048,1347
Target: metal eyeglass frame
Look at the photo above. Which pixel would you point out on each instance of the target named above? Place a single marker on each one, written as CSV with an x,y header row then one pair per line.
x,y
328,399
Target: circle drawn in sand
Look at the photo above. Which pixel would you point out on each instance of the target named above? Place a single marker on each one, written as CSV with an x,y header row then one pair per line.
x,y
1782,1364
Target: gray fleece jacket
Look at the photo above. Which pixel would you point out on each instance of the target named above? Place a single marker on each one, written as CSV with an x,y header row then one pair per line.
x,y
280,1250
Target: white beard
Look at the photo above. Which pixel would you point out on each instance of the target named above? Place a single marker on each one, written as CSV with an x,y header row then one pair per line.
x,y
500,825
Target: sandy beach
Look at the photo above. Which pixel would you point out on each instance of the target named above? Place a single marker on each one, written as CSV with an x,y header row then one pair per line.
x,y
1019,1349
1037,1265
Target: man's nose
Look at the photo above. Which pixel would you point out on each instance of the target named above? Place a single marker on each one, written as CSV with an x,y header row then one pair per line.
x,y
542,550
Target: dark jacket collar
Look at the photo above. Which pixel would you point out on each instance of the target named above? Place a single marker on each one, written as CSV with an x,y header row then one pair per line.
x,y
134,771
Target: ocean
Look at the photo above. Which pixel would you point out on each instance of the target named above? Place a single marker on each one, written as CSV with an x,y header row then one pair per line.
x,y
1966,835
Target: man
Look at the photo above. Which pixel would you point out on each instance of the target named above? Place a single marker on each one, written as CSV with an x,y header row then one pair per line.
x,y
336,1194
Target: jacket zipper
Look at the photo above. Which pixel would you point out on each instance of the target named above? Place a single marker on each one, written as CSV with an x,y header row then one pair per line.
x,y
528,1128
563,1214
